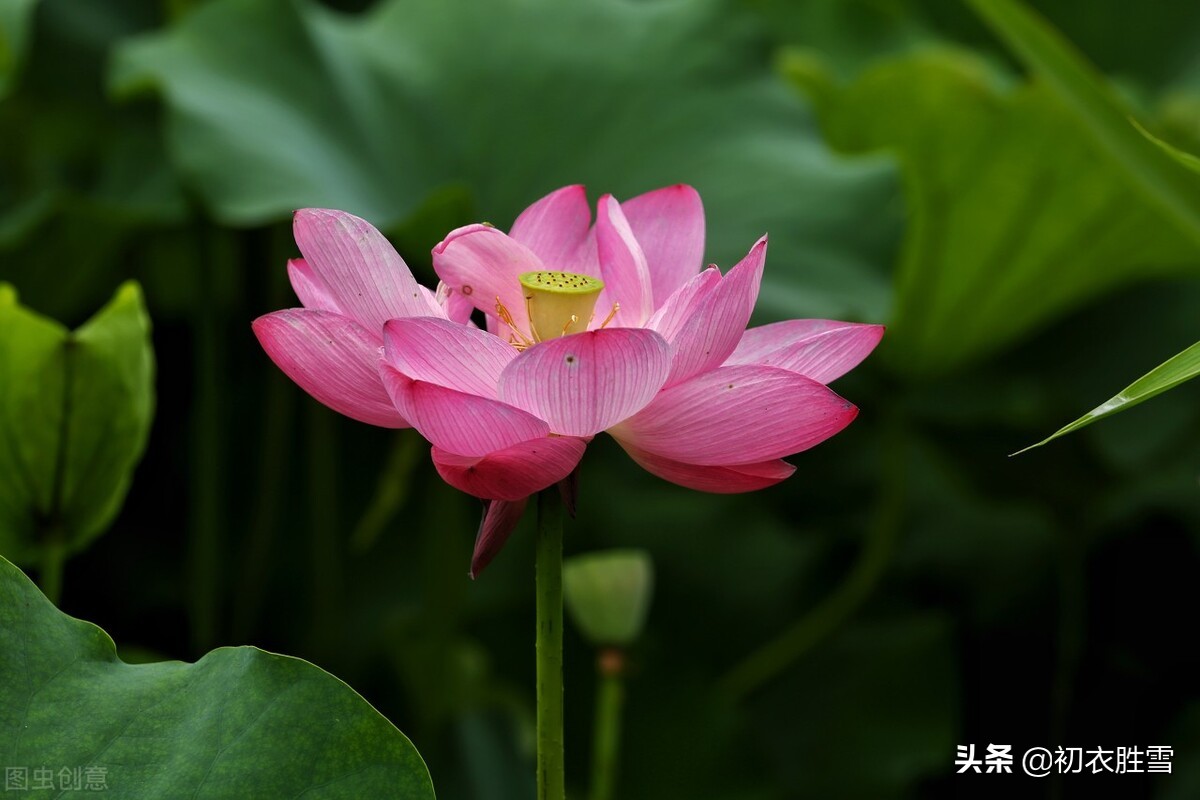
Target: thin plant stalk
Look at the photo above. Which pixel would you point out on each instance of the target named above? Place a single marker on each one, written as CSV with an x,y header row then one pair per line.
x,y
606,738
551,772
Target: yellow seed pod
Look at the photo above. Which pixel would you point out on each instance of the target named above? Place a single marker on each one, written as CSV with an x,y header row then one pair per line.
x,y
559,303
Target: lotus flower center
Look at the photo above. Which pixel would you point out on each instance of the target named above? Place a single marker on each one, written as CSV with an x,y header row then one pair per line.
x,y
559,303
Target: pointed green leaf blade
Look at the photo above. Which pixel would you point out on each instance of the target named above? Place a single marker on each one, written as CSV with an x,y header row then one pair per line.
x,y
238,723
1186,159
1167,375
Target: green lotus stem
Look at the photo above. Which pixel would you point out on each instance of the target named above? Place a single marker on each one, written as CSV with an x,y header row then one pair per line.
x,y
606,738
551,772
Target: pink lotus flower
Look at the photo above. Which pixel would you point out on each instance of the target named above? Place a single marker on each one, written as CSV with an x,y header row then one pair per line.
x,y
665,364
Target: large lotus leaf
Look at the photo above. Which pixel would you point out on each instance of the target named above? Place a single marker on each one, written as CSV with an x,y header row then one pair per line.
x,y
238,723
278,104
1102,115
1016,216
75,410
79,177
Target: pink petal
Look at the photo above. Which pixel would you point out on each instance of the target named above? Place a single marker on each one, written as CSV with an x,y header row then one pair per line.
x,y
457,307
587,382
711,333
456,421
443,352
484,264
622,266
555,227
822,349
586,260
514,472
500,519
309,287
363,272
333,358
737,415
672,315
719,479
669,225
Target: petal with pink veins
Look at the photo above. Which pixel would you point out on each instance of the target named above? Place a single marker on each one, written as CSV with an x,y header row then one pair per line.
x,y
713,329
622,267
456,421
484,265
500,518
555,227
716,479
737,415
822,349
514,472
364,274
587,382
333,358
669,225
443,352
309,287
672,315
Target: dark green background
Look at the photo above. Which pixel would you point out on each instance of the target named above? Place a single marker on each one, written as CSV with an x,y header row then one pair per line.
x,y
952,595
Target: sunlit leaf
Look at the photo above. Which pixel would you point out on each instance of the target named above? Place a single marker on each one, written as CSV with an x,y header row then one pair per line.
x,y
238,723
1016,217
279,104
1105,120
1172,372
75,410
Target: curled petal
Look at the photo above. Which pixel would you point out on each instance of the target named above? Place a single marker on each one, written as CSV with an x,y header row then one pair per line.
x,y
457,307
587,382
483,264
514,472
333,358
716,479
310,288
711,332
456,421
555,227
669,225
822,349
500,518
622,266
446,353
737,415
363,272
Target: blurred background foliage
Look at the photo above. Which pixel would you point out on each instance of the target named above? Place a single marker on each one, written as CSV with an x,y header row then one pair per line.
x,y
909,589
